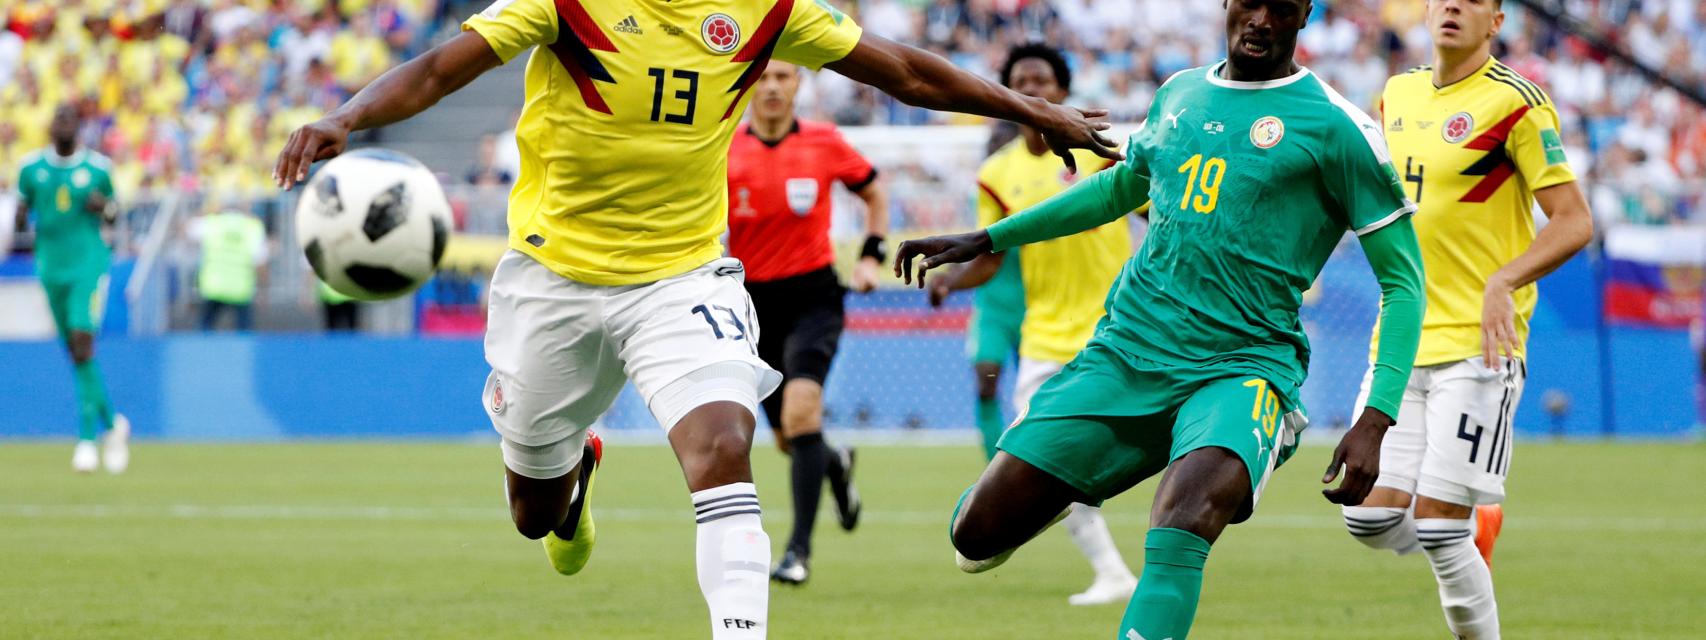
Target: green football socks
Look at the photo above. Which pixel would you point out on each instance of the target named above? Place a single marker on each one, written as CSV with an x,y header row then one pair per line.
x,y
989,423
1166,599
94,412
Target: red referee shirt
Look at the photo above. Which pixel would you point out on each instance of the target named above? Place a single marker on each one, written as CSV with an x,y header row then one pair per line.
x,y
779,197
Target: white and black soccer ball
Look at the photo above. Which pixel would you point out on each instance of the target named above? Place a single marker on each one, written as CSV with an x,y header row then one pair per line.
x,y
373,223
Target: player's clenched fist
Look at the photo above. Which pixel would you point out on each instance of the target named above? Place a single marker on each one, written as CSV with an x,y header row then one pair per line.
x,y
937,251
315,141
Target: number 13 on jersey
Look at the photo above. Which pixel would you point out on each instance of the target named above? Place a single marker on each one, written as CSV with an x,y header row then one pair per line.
x,y
1204,176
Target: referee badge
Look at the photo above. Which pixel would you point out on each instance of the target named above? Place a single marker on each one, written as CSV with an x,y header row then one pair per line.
x,y
802,194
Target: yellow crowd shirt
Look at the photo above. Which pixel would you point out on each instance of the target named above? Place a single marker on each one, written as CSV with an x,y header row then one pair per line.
x,y
1472,154
630,108
1066,279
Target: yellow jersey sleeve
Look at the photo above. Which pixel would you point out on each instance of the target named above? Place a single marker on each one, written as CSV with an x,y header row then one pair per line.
x,y
1537,149
514,26
816,34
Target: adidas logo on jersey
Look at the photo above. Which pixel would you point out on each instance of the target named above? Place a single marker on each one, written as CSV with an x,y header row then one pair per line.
x,y
1397,125
629,25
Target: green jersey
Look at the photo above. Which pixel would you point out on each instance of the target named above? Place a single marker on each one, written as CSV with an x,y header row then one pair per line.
x,y
56,189
1251,185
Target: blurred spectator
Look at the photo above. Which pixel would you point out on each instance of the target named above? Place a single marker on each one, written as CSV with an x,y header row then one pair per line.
x,y
358,55
233,258
485,172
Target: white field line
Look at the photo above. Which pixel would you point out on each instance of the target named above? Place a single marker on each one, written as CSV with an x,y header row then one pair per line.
x,y
660,515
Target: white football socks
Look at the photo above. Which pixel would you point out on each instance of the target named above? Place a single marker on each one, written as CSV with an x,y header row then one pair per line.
x,y
1465,583
1089,531
734,561
1383,528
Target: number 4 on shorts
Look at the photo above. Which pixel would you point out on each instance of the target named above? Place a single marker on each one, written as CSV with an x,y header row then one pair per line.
x,y
1473,438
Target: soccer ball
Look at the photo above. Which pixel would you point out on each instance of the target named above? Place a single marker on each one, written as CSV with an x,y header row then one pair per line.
x,y
373,223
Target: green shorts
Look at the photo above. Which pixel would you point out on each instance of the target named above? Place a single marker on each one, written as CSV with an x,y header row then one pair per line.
x,y
1111,419
77,302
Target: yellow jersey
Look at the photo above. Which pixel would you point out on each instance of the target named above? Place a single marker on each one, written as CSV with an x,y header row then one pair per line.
x,y
630,108
1066,279
1473,153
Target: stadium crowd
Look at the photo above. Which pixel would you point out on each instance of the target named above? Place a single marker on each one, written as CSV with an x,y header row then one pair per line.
x,y
196,94
190,94
1642,149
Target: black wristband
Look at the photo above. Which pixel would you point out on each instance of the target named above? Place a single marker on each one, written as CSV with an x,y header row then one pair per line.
x,y
873,248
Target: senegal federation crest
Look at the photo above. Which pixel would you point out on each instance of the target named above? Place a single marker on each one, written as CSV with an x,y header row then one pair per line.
x,y
721,33
1267,132
1458,127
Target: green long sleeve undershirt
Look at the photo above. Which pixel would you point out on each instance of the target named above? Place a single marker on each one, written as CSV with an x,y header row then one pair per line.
x,y
1093,202
1392,251
1396,258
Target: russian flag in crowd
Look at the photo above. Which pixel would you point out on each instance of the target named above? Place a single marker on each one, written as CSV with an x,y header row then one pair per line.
x,y
1655,275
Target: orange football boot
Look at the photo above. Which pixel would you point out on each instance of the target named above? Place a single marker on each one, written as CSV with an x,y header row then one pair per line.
x,y
1489,518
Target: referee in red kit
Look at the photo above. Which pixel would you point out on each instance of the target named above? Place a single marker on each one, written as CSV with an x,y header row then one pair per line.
x,y
780,174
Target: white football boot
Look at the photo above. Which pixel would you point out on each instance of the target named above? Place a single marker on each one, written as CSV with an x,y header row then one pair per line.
x,y
85,457
1105,590
115,445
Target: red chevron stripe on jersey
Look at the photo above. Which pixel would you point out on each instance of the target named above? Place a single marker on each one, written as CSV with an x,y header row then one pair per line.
x,y
577,38
758,49
990,191
1496,166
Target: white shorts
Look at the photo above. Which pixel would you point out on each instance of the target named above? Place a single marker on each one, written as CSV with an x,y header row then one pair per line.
x,y
1032,374
561,351
1453,438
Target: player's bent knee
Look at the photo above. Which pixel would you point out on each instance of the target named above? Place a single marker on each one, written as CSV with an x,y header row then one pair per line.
x,y
713,456
531,527
1429,507
544,462
538,487
971,538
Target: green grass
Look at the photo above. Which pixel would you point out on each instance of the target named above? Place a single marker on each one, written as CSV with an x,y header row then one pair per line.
x,y
411,540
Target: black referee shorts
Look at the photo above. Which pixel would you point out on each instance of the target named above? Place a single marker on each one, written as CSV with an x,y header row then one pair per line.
x,y
799,320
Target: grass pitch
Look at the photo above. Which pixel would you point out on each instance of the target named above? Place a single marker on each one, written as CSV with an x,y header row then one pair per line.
x,y
411,540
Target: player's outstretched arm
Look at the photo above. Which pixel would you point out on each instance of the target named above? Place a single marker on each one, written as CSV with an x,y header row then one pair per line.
x,y
1396,258
1093,202
1570,228
398,94
923,79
